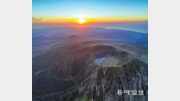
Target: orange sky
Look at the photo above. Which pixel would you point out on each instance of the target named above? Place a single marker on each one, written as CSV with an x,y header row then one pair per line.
x,y
87,20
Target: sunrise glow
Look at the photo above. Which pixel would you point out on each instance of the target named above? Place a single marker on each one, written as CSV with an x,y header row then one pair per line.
x,y
89,12
81,20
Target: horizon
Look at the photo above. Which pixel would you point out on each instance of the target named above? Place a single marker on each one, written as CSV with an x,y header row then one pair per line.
x,y
94,11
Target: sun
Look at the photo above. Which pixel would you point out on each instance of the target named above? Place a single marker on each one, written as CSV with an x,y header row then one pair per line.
x,y
81,20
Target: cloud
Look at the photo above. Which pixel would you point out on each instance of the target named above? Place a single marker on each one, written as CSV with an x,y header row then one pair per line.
x,y
37,19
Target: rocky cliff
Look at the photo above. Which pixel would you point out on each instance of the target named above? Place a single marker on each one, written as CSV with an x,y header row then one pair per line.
x,y
76,76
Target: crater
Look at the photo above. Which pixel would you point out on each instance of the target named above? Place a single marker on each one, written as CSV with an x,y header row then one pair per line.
x,y
108,56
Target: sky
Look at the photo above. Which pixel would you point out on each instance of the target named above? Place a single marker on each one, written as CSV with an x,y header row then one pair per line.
x,y
91,10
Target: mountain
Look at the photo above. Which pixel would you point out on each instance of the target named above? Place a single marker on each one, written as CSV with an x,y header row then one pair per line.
x,y
69,72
